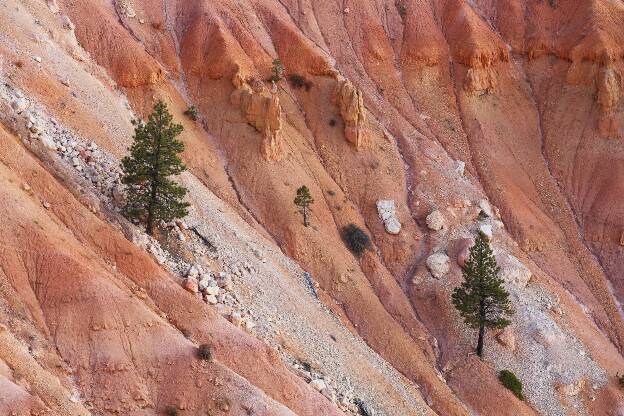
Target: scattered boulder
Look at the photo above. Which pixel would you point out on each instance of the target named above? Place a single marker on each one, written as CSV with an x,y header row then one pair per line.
x,y
463,246
572,389
193,271
236,319
318,384
190,284
438,264
212,299
507,338
387,213
513,271
435,220
212,290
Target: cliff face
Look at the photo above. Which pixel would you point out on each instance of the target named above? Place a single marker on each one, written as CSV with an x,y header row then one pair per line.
x,y
421,122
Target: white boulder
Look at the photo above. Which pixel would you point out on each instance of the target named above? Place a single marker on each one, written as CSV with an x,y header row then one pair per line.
x,y
439,264
513,271
387,213
435,220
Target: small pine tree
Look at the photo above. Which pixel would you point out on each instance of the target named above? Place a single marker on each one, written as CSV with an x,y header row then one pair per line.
x,y
278,70
481,299
153,158
303,200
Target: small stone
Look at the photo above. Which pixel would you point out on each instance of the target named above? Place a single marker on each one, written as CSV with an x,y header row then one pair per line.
x,y
435,220
193,271
212,290
46,205
318,384
67,23
386,210
190,284
65,82
37,59
438,264
249,324
507,338
236,318
211,299
19,105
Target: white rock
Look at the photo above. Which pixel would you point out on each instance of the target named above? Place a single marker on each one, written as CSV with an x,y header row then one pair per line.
x,y
486,208
387,213
48,142
211,299
318,384
249,324
439,264
193,271
37,59
513,271
19,105
212,290
435,220
487,230
459,167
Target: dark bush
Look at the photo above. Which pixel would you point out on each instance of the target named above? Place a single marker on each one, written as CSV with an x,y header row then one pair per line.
x,y
191,113
204,353
356,239
620,380
332,122
402,10
299,81
509,380
171,410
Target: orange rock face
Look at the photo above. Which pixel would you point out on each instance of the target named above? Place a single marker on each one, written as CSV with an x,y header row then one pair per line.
x,y
423,106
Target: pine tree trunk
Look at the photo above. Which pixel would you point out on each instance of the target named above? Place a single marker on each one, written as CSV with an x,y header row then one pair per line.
x,y
305,216
480,341
481,329
149,228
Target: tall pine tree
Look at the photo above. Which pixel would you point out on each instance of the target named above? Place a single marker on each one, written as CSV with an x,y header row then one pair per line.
x,y
303,200
151,194
481,299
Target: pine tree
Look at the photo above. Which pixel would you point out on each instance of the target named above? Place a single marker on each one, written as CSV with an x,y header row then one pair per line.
x,y
151,194
481,299
303,200
278,70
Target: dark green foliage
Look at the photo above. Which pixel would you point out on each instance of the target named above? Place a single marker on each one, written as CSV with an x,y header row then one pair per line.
x,y
303,200
171,411
151,194
356,239
481,299
509,380
277,70
299,81
204,353
191,113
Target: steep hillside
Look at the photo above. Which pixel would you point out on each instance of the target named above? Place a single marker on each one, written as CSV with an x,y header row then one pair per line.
x,y
422,122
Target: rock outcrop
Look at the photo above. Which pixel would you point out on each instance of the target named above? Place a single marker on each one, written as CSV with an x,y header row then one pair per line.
x,y
261,108
350,102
